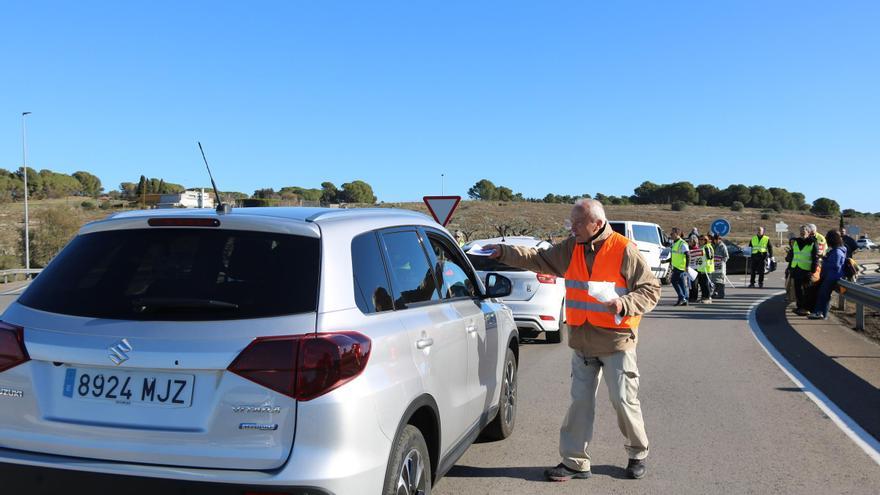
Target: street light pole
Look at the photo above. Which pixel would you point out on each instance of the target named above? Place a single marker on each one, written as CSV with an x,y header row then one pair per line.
x,y
27,237
441,184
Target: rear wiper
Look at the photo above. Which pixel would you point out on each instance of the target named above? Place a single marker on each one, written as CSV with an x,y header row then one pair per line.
x,y
145,304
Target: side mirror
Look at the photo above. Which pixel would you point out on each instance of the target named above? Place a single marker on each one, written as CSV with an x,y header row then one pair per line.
x,y
498,285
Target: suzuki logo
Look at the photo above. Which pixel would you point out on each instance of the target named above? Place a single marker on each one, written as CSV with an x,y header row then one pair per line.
x,y
119,352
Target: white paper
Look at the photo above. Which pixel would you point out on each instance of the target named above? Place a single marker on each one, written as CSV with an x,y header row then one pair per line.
x,y
604,292
692,274
478,250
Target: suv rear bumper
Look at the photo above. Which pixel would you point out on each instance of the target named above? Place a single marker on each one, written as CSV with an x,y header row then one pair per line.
x,y
527,315
50,481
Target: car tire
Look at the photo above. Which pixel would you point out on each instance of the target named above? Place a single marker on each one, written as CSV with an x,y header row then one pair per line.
x,y
666,279
556,337
502,426
409,467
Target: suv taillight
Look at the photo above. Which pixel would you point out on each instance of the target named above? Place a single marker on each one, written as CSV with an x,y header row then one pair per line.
x,y
12,349
546,279
304,366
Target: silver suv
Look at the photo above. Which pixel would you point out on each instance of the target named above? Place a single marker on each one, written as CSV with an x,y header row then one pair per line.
x,y
270,350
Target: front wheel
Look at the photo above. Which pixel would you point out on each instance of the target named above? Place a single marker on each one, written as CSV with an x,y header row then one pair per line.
x,y
409,468
502,426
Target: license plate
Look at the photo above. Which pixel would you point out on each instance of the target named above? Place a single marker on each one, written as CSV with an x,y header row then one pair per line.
x,y
129,387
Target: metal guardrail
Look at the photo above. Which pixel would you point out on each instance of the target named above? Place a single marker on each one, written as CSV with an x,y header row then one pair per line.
x,y
14,273
862,296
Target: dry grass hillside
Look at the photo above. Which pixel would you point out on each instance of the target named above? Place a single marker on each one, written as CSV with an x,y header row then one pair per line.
x,y
480,219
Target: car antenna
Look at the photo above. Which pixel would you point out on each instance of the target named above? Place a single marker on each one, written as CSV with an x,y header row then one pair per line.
x,y
222,208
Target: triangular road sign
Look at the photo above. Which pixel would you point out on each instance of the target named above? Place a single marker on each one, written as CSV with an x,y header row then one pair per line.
x,y
441,207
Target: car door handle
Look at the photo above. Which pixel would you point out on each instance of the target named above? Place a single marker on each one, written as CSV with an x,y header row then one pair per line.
x,y
645,250
424,343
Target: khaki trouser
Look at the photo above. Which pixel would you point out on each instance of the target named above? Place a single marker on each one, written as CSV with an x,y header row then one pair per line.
x,y
622,378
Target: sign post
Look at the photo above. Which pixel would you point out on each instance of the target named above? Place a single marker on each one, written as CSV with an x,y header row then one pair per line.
x,y
442,207
781,228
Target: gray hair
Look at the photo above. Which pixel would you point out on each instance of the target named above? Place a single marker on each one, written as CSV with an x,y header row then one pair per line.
x,y
592,209
812,227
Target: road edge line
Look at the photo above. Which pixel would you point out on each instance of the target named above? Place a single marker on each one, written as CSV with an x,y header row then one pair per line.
x,y
856,433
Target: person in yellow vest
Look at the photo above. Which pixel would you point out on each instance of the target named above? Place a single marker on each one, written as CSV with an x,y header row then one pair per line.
x,y
719,278
803,261
821,242
762,250
694,255
705,269
609,285
679,261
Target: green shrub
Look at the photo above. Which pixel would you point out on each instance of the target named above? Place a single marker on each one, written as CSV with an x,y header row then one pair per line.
x,y
256,202
51,230
88,205
765,216
737,206
678,205
105,205
8,261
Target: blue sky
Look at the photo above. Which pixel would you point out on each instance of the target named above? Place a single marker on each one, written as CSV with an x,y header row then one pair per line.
x,y
562,97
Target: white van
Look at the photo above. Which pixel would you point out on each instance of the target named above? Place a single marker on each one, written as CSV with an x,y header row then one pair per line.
x,y
652,242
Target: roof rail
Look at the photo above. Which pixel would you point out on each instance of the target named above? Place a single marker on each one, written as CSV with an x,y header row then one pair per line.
x,y
349,212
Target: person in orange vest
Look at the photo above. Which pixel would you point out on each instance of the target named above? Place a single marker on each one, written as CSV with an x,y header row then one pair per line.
x,y
609,286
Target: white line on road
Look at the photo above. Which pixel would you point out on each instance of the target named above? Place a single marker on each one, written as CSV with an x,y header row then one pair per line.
x,y
852,429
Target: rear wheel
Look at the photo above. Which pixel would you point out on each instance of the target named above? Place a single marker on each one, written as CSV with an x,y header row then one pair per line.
x,y
409,469
502,426
556,337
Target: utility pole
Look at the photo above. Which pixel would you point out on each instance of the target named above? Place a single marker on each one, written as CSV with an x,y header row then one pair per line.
x,y
27,236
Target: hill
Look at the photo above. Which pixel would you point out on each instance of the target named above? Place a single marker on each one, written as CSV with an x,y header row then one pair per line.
x,y
481,219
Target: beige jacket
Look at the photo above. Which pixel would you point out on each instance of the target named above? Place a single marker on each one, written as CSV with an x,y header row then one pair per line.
x,y
643,286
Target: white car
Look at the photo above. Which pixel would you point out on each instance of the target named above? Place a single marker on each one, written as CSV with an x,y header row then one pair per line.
x,y
537,299
865,243
266,350
651,240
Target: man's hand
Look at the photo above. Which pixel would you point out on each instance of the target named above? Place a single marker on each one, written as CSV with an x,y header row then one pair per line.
x,y
497,251
615,306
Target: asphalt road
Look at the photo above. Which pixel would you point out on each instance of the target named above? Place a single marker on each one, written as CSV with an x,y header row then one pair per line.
x,y
720,415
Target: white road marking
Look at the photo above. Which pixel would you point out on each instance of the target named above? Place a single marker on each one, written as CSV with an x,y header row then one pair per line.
x,y
856,433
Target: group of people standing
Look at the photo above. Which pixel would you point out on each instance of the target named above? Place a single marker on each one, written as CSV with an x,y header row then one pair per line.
x,y
815,264
699,267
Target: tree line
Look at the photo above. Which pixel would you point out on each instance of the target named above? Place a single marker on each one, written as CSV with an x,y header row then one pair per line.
x,y
47,184
681,194
356,191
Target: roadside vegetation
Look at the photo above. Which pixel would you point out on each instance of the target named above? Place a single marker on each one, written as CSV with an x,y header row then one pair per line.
x,y
61,203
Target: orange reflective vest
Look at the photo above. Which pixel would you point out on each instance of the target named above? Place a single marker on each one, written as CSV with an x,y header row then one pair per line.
x,y
580,306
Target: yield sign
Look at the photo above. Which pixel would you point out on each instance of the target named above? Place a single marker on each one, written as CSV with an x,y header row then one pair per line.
x,y
441,207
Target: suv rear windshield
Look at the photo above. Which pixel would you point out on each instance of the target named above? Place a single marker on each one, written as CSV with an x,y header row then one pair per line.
x,y
484,264
180,274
